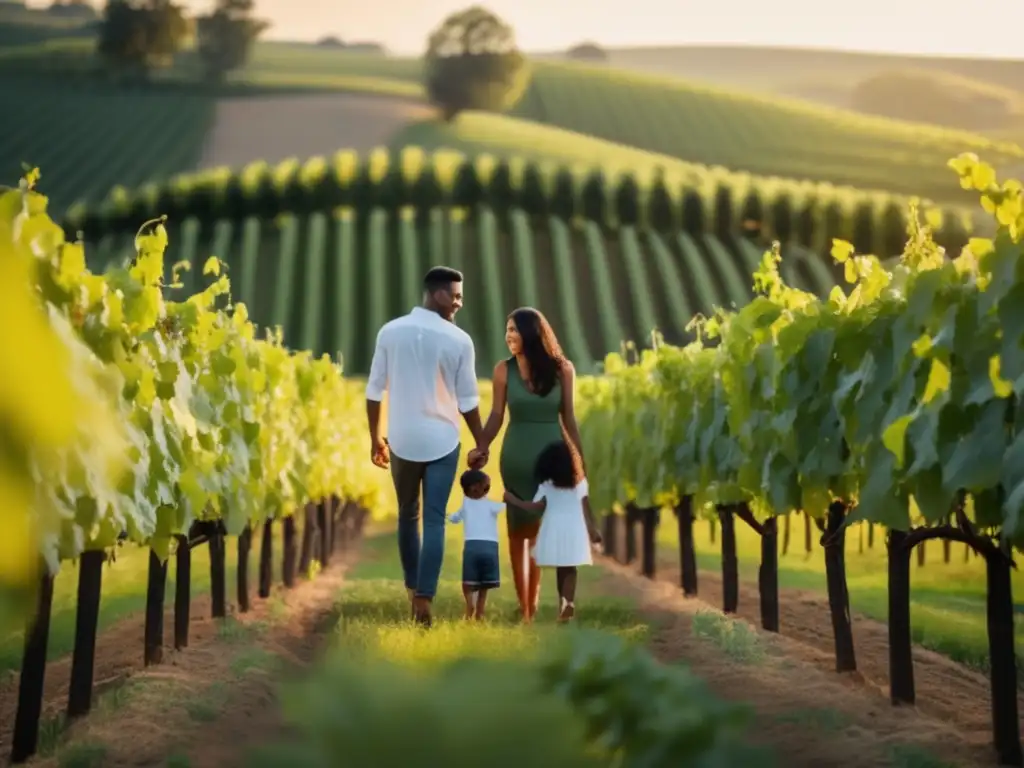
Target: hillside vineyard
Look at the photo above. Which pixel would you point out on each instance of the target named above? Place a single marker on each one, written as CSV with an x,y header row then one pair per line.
x,y
607,257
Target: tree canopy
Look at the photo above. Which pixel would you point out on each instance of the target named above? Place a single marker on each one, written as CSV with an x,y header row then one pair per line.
x,y
138,36
587,52
473,62
226,36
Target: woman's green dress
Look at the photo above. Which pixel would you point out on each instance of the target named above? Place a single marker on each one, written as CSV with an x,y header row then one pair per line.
x,y
533,424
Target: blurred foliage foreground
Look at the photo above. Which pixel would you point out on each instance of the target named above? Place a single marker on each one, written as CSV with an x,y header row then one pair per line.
x,y
593,700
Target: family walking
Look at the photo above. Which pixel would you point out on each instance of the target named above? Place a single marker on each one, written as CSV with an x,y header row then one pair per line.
x,y
427,365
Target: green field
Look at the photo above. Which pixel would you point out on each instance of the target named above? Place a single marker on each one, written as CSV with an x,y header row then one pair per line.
x,y
85,135
813,73
769,136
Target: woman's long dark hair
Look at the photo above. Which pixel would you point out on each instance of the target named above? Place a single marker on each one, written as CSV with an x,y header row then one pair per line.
x,y
544,358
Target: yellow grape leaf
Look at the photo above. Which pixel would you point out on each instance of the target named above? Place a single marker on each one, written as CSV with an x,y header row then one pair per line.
x,y
212,266
963,163
841,250
36,391
72,264
922,345
939,379
1002,387
850,271
154,242
980,246
982,176
1009,210
894,438
149,268
113,311
18,550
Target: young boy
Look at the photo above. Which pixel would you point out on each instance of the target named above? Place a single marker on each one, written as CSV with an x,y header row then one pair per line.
x,y
479,516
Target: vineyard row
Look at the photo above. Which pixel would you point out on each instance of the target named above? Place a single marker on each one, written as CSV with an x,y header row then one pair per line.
x,y
331,280
894,402
324,529
706,201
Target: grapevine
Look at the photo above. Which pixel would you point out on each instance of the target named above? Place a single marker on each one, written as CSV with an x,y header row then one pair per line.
x,y
901,388
894,402
123,411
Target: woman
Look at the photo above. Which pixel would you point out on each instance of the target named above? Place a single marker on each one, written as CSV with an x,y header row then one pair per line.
x,y
537,383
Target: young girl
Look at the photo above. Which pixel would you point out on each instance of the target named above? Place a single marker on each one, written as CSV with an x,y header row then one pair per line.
x,y
567,529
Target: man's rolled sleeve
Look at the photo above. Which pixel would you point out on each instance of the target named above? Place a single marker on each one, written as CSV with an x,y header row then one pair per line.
x,y
377,381
466,391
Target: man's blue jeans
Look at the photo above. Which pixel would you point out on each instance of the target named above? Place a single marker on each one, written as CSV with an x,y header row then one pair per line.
x,y
422,566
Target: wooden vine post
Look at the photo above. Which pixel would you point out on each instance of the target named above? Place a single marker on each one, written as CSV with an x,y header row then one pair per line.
x,y
25,738
83,657
687,550
768,571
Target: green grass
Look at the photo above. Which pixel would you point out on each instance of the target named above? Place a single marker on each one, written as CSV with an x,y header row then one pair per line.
x,y
947,609
375,611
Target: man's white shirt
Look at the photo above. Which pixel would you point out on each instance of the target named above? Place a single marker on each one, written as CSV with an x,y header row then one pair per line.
x,y
428,367
479,518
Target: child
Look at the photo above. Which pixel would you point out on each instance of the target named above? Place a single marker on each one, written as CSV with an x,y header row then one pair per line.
x,y
480,572
567,529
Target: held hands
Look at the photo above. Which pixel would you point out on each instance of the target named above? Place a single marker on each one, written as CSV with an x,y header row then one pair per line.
x,y
478,457
511,498
380,453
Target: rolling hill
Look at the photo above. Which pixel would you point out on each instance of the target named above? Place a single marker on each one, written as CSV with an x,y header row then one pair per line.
x,y
821,74
671,117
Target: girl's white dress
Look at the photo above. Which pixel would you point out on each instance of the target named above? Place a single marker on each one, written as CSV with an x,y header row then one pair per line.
x,y
563,539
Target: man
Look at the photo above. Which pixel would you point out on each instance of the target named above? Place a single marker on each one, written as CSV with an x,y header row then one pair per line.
x,y
428,366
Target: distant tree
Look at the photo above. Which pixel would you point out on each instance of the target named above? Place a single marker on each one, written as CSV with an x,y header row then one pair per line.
x,y
73,9
587,52
331,41
472,62
226,36
366,46
138,36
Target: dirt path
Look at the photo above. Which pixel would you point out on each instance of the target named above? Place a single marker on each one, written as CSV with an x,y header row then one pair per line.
x,y
810,715
222,683
946,690
274,128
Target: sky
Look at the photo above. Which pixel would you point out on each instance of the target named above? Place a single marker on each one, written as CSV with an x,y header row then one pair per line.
x,y
962,27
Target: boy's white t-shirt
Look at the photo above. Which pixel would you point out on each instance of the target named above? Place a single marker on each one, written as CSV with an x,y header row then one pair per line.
x,y
479,518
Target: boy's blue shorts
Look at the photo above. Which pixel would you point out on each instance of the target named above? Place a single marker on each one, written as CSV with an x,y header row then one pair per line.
x,y
480,564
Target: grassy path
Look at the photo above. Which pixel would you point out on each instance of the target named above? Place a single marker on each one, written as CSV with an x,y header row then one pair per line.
x,y
225,701
374,610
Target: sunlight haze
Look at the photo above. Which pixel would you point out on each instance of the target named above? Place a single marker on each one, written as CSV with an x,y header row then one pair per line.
x,y
978,28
